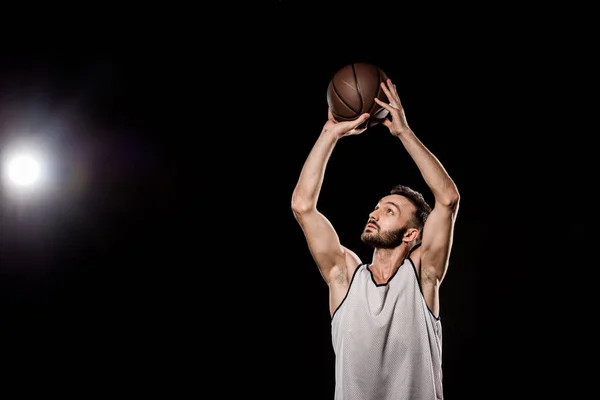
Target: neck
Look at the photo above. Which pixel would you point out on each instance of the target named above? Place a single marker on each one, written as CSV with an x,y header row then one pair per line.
x,y
387,261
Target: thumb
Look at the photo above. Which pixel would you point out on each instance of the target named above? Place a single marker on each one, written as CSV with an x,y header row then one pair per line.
x,y
386,122
356,122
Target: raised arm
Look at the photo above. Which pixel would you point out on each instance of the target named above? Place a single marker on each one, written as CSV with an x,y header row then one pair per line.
x,y
436,244
323,241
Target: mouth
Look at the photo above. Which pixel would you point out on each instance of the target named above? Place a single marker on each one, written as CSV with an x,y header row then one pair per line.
x,y
371,226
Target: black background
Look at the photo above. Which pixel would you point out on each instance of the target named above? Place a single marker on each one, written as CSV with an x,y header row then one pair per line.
x,y
165,258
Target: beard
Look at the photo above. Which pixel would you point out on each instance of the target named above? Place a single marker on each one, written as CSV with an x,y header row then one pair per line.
x,y
385,239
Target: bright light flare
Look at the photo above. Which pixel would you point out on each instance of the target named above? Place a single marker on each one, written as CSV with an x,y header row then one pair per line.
x,y
23,170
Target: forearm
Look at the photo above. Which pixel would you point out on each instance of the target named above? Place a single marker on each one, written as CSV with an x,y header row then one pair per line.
x,y
434,173
310,181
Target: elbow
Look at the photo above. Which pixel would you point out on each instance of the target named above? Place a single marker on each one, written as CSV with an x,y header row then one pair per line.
x,y
454,199
300,205
450,198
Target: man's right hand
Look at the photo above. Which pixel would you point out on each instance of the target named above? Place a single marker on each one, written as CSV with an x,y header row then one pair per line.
x,y
345,128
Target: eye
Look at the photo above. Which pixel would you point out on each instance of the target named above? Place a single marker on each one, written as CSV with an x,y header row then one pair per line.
x,y
390,211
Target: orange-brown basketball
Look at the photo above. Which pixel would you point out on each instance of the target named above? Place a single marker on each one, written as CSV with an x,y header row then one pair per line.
x,y
352,90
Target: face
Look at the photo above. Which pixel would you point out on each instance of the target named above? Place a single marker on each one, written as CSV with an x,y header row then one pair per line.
x,y
388,222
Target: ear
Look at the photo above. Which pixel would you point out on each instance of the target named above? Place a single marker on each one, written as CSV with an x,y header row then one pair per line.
x,y
411,235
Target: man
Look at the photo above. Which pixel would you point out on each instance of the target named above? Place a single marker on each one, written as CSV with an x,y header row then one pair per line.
x,y
386,328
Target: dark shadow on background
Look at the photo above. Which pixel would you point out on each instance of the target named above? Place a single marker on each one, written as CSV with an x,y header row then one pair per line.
x,y
184,270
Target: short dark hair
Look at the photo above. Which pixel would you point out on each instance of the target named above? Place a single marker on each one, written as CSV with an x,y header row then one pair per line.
x,y
423,208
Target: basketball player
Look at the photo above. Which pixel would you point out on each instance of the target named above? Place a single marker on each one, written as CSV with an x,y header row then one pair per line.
x,y
385,313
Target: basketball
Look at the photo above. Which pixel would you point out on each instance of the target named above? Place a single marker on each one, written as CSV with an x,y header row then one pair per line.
x,y
352,90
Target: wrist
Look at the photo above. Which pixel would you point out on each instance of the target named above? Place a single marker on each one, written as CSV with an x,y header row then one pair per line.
x,y
404,133
330,134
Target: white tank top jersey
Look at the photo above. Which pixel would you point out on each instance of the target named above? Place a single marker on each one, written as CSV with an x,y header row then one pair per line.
x,y
387,342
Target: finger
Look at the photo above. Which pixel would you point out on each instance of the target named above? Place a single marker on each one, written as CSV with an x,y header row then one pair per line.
x,y
361,119
395,92
386,122
391,97
385,105
351,125
392,93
